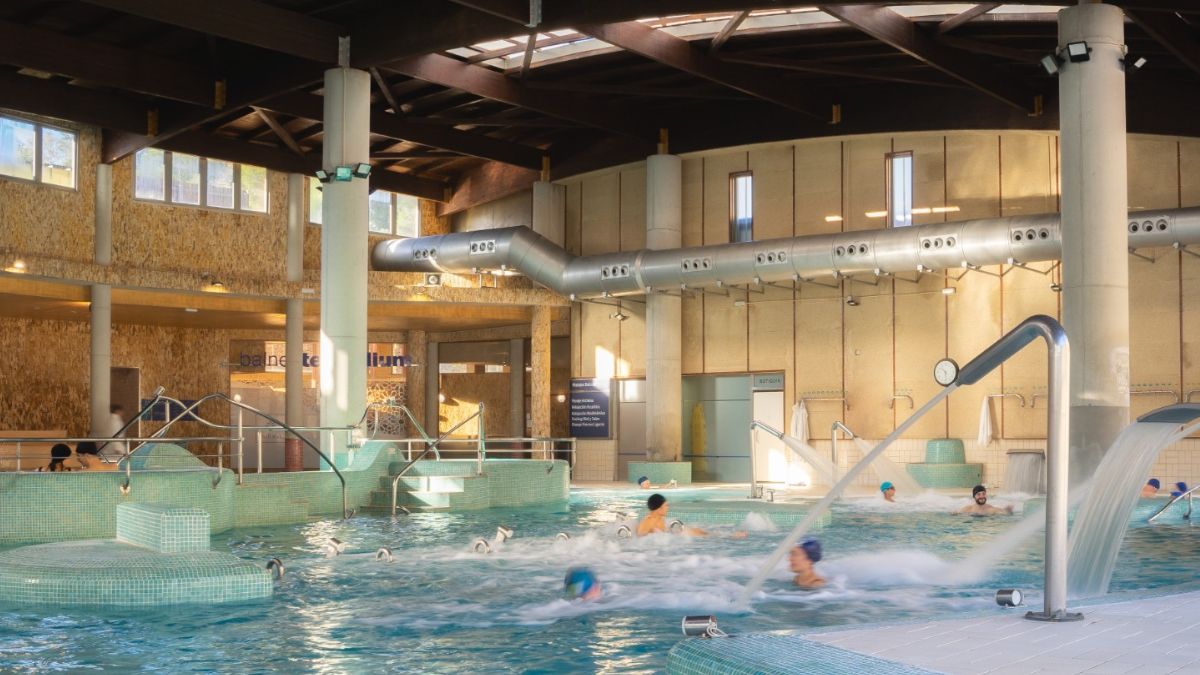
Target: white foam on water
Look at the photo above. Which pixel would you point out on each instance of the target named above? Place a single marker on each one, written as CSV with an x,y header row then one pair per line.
x,y
757,522
924,502
890,567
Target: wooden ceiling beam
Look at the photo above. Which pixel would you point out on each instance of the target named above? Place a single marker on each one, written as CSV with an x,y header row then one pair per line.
x,y
78,104
284,135
678,53
824,68
487,83
308,106
895,30
106,64
246,21
966,16
727,31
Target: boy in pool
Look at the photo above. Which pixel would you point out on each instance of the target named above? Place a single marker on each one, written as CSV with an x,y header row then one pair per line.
x,y
801,561
656,520
644,483
888,490
981,507
1150,489
581,584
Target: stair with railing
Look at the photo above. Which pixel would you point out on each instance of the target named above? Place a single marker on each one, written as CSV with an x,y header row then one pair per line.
x,y
431,486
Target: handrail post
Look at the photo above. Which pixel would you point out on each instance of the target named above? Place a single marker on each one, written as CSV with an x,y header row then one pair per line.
x,y
241,446
753,452
259,437
18,455
482,442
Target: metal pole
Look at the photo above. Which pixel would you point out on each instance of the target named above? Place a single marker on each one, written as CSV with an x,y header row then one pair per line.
x,y
241,446
753,452
18,455
259,434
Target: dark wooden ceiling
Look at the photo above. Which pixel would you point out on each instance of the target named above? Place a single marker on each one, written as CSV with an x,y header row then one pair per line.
x,y
241,79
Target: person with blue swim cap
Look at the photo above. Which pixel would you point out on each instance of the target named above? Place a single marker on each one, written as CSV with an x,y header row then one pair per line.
x,y
1180,488
801,561
1150,489
581,584
888,490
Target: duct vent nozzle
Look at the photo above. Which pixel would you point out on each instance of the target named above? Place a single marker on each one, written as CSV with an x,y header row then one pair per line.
x,y
771,257
614,271
487,246
696,264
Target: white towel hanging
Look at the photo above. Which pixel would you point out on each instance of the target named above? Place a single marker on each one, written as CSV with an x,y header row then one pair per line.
x,y
986,431
799,427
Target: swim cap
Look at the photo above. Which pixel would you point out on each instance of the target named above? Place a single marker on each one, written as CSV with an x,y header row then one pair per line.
x,y
1154,482
1181,486
643,479
656,500
811,548
578,582
886,485
977,489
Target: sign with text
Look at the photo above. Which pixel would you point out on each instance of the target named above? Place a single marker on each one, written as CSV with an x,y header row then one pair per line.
x,y
591,408
767,382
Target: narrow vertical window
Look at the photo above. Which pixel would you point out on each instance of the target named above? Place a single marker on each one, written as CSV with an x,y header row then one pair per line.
x,y
379,212
254,189
220,184
741,206
408,216
900,189
185,179
58,157
314,201
149,172
17,148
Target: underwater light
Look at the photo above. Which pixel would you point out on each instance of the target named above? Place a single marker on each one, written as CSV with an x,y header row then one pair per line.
x,y
1009,597
701,627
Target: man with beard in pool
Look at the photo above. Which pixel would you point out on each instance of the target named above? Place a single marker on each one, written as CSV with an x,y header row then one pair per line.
x,y
981,507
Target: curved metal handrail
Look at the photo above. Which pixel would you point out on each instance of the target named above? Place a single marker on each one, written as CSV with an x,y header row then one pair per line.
x,y
187,410
1173,501
433,447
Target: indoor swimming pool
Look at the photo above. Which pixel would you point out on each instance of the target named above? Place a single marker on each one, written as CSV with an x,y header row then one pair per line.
x,y
440,607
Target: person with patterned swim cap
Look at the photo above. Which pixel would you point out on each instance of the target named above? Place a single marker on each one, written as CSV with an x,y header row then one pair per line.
x,y
888,490
801,560
581,584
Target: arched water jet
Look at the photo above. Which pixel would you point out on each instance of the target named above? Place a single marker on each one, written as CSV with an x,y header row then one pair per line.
x,y
1103,519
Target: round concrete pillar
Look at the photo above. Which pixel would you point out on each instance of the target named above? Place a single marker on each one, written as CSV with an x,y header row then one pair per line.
x,y
664,379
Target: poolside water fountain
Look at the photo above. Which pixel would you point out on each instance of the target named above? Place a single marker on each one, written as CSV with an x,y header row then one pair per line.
x,y
1058,377
1026,472
1102,521
887,470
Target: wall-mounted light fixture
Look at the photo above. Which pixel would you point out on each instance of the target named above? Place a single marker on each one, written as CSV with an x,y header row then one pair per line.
x,y
1133,64
212,283
1051,64
949,290
618,315
323,176
851,301
362,170
1078,52
18,266
561,398
441,397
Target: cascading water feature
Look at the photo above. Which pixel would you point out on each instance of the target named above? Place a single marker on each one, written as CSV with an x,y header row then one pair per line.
x,y
1026,472
1101,522
887,470
821,465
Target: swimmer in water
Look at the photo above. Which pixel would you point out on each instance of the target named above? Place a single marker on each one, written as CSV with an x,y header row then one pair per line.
x,y
981,507
644,483
581,584
888,490
1150,489
801,561
656,520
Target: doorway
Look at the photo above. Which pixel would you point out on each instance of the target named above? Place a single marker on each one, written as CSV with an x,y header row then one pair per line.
x,y
125,387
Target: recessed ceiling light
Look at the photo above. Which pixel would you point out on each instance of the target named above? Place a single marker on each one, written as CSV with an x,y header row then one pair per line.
x,y
190,309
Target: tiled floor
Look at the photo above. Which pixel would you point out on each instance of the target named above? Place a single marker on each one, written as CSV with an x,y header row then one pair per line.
x,y
1148,637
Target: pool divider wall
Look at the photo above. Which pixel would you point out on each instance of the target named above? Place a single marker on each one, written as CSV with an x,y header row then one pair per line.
x,y
661,473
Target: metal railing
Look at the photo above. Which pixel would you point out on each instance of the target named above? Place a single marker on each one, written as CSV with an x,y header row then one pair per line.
x,y
836,427
481,452
1175,500
188,414
100,441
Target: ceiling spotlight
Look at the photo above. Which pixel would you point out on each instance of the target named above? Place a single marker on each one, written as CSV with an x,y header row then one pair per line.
x,y
323,175
618,315
362,170
343,174
441,397
1078,52
1133,64
1050,64
561,398
852,301
949,290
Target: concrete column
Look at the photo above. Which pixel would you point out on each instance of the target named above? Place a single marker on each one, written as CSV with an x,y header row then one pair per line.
x,y
516,387
293,449
664,379
295,227
101,380
1095,248
432,388
103,228
293,378
550,211
344,266
539,373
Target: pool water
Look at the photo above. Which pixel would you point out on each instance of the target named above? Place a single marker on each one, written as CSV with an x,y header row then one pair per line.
x,y
439,607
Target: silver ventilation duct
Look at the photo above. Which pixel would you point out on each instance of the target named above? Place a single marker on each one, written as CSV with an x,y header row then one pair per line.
x,y
919,248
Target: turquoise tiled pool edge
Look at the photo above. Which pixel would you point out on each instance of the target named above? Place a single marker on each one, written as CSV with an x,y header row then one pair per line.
x,y
45,507
773,654
661,473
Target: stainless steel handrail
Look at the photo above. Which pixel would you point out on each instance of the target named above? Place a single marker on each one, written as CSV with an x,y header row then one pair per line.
x,y
1187,398
755,424
1155,392
1008,395
436,442
896,397
833,443
97,439
187,411
845,403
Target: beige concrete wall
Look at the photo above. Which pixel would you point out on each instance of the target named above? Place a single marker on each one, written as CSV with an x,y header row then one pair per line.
x,y
887,345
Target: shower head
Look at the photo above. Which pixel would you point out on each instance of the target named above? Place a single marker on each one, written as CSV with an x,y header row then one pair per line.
x,y
1179,413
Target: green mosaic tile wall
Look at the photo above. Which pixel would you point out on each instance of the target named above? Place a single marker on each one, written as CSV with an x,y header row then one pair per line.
x,y
122,575
166,529
661,473
774,654
454,484
946,475
945,451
